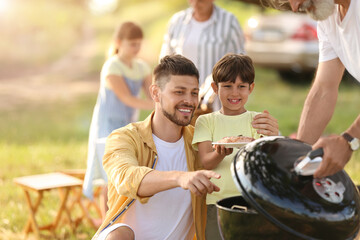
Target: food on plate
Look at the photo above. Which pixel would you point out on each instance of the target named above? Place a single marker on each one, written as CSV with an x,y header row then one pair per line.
x,y
235,139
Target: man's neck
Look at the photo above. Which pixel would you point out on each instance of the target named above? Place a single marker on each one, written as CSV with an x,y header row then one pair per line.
x,y
204,15
343,7
164,129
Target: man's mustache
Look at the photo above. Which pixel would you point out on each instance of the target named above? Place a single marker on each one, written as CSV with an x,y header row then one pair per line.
x,y
186,106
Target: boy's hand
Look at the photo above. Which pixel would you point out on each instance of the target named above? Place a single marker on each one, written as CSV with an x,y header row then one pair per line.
x,y
198,182
266,124
222,150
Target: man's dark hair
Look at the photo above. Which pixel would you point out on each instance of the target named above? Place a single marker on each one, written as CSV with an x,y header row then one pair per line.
x,y
173,65
231,66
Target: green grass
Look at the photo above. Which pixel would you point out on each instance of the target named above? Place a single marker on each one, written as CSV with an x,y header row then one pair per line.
x,y
40,139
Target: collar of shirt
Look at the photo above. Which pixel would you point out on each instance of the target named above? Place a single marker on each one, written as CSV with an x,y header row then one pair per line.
x,y
145,132
190,11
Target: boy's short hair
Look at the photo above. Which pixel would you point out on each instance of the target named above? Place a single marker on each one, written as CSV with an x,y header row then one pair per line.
x,y
173,65
231,66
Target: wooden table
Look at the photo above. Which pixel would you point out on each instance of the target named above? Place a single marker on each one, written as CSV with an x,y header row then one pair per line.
x,y
46,182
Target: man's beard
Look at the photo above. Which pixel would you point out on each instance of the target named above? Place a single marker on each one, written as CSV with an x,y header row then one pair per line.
x,y
174,119
319,9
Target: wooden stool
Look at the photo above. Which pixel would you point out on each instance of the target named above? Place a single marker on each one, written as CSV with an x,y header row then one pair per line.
x,y
46,182
86,204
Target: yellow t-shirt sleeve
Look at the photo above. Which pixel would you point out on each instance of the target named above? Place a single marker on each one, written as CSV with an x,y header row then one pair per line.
x,y
202,131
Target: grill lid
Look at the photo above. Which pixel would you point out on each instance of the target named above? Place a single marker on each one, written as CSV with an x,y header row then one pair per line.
x,y
308,208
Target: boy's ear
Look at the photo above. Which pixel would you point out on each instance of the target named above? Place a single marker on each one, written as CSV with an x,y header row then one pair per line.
x,y
251,87
155,92
215,87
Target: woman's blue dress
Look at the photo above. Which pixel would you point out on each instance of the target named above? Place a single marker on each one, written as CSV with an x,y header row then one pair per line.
x,y
109,114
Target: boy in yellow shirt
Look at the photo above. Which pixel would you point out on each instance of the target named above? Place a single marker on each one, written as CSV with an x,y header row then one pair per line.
x,y
233,81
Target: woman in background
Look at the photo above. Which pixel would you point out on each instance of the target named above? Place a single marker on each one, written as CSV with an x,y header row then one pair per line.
x,y
122,77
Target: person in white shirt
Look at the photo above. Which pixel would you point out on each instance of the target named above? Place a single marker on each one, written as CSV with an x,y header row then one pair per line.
x,y
339,49
203,33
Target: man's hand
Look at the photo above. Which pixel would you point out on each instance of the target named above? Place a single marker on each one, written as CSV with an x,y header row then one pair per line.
x,y
198,182
266,124
336,154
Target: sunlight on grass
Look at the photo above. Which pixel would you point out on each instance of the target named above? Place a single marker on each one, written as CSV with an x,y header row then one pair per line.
x,y
40,139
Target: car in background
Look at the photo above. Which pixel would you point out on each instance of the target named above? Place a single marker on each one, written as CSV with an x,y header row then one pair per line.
x,y
284,41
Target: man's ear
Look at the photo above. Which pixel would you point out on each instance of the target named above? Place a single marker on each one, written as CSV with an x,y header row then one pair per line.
x,y
155,92
251,87
215,87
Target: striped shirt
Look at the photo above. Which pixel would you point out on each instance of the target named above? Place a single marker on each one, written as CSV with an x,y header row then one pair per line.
x,y
222,35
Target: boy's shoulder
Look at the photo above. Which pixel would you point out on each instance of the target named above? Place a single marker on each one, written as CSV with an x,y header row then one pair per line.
x,y
208,115
252,113
249,115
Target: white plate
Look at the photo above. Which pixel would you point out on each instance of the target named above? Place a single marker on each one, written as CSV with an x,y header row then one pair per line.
x,y
231,145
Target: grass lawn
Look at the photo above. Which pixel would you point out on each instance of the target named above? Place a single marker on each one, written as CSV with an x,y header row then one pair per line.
x,y
40,139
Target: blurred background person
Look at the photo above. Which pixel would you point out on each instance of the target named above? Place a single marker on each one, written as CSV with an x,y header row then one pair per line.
x,y
122,77
203,33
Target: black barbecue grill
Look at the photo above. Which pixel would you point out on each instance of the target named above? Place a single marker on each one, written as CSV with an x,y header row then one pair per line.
x,y
279,203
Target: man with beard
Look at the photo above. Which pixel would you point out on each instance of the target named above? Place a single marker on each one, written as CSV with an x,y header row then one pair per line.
x,y
154,190
339,48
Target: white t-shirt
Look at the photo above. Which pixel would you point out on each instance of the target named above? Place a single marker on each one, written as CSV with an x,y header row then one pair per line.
x,y
342,38
191,42
168,214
